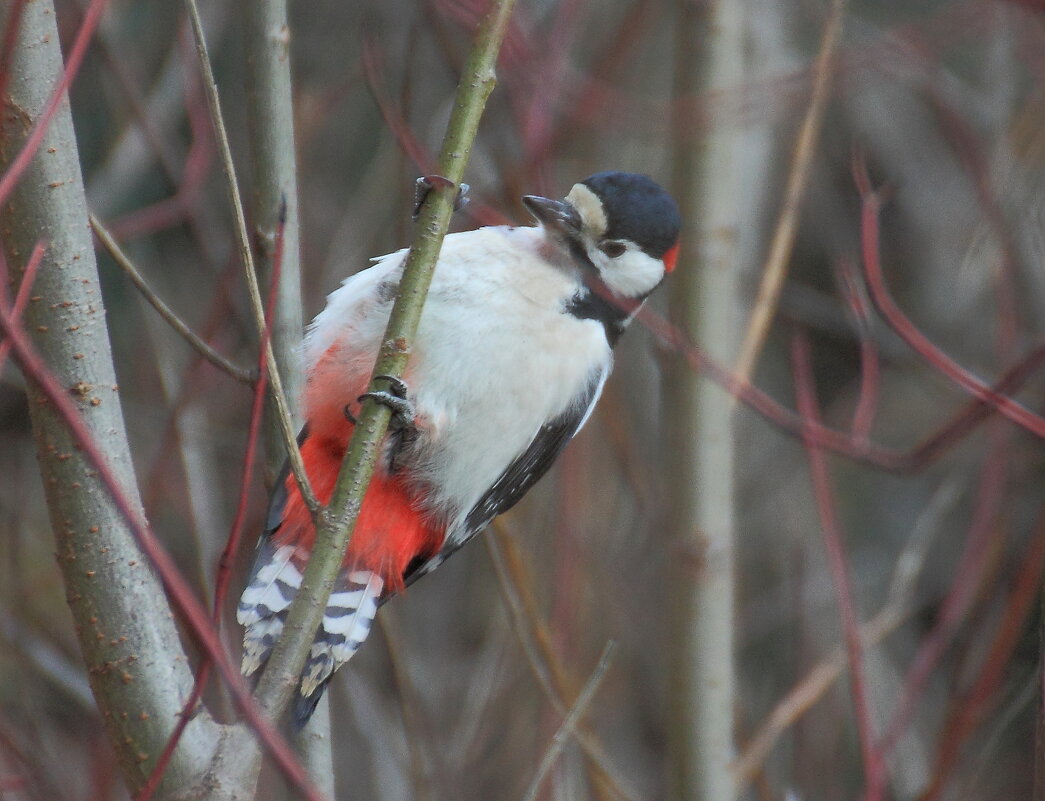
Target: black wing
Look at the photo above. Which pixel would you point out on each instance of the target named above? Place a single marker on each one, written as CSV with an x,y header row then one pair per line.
x,y
527,468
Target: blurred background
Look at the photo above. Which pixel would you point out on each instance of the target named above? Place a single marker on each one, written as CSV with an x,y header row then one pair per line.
x,y
943,103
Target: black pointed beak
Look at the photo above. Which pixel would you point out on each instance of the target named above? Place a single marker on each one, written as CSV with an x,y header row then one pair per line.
x,y
556,215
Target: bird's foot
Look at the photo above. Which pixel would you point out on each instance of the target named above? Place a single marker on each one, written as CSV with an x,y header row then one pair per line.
x,y
395,399
402,427
426,183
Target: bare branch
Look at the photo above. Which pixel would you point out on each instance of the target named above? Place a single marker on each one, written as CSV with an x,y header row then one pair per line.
x,y
137,668
775,271
175,322
570,723
698,420
273,156
279,396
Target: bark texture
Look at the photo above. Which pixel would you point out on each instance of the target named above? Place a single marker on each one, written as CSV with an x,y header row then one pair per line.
x,y
138,670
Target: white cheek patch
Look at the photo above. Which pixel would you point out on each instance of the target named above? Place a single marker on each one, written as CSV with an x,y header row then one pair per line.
x,y
632,274
590,208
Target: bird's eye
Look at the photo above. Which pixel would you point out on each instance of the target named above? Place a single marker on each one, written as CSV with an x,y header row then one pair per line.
x,y
613,249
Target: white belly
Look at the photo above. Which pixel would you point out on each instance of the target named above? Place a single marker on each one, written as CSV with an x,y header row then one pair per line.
x,y
496,356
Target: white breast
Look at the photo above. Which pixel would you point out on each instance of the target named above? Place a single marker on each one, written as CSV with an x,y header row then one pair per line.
x,y
496,356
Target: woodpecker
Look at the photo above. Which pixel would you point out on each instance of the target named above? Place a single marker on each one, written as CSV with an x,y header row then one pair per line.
x,y
515,343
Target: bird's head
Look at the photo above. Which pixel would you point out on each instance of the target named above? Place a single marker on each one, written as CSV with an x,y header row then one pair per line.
x,y
621,225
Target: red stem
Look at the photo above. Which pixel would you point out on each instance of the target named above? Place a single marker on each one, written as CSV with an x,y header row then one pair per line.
x,y
859,307
72,66
910,334
970,709
930,448
967,579
186,604
834,545
224,575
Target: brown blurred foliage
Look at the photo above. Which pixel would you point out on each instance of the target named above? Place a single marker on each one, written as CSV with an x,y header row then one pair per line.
x,y
945,102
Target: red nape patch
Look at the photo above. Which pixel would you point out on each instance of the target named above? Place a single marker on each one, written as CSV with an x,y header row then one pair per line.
x,y
671,257
390,532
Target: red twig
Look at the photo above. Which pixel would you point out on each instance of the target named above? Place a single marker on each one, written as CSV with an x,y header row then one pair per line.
x,y
805,391
400,128
181,206
944,437
548,74
189,382
72,65
228,556
910,334
859,307
224,573
969,710
415,151
967,579
180,593
22,298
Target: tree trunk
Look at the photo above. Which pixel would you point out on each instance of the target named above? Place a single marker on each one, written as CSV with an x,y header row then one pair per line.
x,y
698,416
138,670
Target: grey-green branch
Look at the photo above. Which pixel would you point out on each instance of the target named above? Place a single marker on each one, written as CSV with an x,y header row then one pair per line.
x,y
338,519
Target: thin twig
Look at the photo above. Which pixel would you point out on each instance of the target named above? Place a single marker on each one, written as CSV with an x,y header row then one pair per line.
x,y
973,704
283,415
906,330
947,435
808,406
409,708
798,179
808,691
530,631
898,608
175,322
859,306
224,573
572,719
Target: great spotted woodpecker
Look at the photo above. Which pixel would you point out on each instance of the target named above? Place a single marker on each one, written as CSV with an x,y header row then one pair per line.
x,y
514,346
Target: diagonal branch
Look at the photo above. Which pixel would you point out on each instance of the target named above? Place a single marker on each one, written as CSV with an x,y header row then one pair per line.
x,y
797,180
332,536
165,311
279,396
569,724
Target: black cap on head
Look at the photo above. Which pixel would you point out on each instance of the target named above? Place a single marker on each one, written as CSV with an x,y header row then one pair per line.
x,y
637,209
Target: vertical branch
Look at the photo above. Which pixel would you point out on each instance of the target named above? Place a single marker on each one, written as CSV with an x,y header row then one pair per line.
x,y
278,395
805,390
271,120
138,671
270,111
698,418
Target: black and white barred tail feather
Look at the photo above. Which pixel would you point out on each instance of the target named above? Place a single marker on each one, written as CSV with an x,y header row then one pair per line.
x,y
346,623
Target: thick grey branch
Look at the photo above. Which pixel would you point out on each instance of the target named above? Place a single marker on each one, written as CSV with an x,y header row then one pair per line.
x,y
138,672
